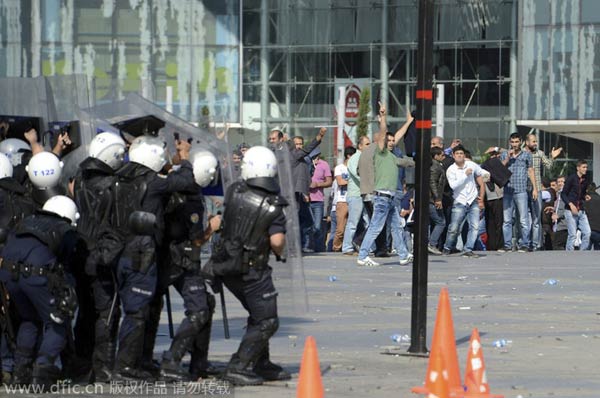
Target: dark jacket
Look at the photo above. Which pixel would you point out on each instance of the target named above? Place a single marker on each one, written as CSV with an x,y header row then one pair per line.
x,y
500,174
300,169
437,181
574,191
592,210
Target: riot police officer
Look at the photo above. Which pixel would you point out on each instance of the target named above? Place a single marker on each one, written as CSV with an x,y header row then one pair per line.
x,y
253,226
139,197
185,235
14,206
92,193
35,268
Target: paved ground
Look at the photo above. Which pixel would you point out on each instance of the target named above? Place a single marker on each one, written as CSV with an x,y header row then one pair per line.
x,y
554,329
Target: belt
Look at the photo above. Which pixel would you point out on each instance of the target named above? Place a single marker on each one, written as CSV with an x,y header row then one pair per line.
x,y
385,195
26,269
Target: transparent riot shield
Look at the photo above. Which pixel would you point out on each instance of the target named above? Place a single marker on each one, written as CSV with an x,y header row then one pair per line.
x,y
69,94
25,103
289,275
136,115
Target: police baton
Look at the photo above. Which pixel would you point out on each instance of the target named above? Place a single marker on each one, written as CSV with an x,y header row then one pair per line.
x,y
224,312
169,313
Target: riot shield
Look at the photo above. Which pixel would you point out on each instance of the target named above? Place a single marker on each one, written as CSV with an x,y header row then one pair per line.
x,y
135,115
69,94
25,103
289,275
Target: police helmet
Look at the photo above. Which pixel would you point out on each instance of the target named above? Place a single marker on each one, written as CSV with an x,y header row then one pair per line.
x,y
149,151
259,161
63,206
109,148
6,168
204,164
44,170
13,148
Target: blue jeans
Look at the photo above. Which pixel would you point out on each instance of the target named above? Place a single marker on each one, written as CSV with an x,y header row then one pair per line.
x,y
384,212
536,221
509,201
436,218
355,210
316,230
459,212
304,219
577,221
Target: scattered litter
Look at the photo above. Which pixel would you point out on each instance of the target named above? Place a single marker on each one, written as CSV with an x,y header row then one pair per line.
x,y
400,338
398,294
462,278
501,343
464,308
551,282
332,278
373,330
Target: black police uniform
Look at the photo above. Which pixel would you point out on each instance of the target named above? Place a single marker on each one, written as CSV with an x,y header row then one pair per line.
x,y
14,206
98,316
253,212
182,270
140,189
35,269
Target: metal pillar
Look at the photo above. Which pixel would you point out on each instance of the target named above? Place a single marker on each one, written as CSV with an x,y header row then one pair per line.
x,y
383,59
423,124
264,70
439,110
512,95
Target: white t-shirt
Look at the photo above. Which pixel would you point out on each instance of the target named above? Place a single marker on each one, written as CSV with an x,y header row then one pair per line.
x,y
341,170
464,187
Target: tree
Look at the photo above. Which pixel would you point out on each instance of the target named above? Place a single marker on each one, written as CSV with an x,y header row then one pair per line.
x,y
364,108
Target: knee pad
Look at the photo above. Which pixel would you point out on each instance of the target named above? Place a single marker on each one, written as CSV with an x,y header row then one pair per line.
x,y
198,319
268,327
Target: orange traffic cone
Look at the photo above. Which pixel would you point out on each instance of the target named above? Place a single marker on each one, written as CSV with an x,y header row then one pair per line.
x,y
437,378
310,384
444,344
476,383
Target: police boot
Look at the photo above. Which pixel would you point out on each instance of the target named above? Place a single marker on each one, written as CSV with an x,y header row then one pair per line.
x,y
127,358
21,375
200,367
45,375
171,370
268,370
104,360
240,373
23,367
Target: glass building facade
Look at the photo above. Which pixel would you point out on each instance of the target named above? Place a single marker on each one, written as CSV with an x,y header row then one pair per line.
x,y
184,55
560,60
268,63
313,46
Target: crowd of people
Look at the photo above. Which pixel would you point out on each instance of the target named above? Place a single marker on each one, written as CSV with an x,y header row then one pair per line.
x,y
503,204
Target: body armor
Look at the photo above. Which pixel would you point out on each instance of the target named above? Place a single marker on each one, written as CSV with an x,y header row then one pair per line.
x,y
48,228
129,192
244,240
93,199
15,205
